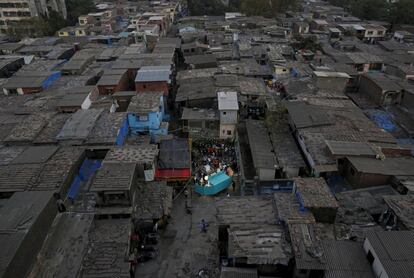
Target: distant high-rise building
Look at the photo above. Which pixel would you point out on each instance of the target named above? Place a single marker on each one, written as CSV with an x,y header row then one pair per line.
x,y
14,11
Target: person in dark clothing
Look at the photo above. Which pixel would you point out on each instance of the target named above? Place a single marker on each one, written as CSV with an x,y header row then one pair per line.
x,y
59,202
203,226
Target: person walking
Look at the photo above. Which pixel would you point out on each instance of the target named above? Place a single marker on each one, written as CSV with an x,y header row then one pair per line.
x,y
203,226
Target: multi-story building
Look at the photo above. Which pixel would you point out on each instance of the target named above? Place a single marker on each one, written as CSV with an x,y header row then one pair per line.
x,y
14,11
228,107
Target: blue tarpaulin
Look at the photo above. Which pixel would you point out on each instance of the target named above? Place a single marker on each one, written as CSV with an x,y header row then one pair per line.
x,y
88,167
300,200
217,182
123,133
52,78
382,119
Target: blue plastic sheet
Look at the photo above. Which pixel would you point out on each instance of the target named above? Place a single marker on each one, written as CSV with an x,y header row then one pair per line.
x,y
87,169
382,119
52,78
301,203
123,133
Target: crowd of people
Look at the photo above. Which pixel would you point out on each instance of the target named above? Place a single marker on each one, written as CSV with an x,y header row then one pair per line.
x,y
211,157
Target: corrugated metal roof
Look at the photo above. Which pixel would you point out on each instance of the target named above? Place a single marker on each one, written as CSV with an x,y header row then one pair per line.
x,y
68,238
18,215
79,125
35,154
304,115
395,250
343,148
199,114
113,177
236,272
345,259
174,154
153,73
201,59
227,101
388,166
260,145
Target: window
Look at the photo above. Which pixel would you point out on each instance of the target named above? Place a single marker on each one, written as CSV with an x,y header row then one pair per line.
x,y
14,5
370,32
224,132
370,258
144,86
224,113
380,32
228,132
352,171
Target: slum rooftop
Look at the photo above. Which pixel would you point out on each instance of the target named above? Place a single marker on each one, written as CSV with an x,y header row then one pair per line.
x,y
54,116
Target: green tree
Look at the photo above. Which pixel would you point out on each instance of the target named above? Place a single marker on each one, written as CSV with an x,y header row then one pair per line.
x,y
207,7
402,12
77,8
370,9
307,43
32,27
398,12
55,22
267,8
257,7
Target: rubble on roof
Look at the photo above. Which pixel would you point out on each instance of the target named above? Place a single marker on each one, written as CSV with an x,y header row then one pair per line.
x,y
154,200
27,131
403,207
141,154
107,251
144,103
106,129
53,174
315,193
246,230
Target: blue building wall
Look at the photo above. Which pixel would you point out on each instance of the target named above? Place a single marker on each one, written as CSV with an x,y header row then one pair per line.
x,y
149,123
